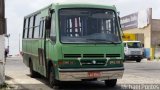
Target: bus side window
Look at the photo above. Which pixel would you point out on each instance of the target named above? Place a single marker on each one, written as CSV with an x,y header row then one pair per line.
x,y
41,33
36,26
25,29
30,33
24,22
53,28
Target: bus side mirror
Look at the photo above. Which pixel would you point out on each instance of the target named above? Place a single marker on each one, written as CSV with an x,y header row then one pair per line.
x,y
48,23
119,19
48,26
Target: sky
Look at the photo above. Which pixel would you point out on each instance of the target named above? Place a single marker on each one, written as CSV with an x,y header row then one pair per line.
x,y
17,9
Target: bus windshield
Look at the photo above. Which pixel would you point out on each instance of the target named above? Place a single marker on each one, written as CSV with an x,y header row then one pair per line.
x,y
88,26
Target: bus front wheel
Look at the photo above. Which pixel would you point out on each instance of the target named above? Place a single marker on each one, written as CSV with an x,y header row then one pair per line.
x,y
111,83
32,72
138,60
52,81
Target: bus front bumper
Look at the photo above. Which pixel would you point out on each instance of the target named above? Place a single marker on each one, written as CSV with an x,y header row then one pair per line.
x,y
83,74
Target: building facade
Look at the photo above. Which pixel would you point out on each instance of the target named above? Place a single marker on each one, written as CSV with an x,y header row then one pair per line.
x,y
146,30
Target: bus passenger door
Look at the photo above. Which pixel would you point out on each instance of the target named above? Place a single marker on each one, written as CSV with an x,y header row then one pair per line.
x,y
41,49
50,36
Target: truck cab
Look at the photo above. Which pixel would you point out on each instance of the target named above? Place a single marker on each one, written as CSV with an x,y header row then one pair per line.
x,y
133,50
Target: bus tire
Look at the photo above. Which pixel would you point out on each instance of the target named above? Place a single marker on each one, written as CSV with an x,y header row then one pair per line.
x,y
111,83
52,80
32,72
138,60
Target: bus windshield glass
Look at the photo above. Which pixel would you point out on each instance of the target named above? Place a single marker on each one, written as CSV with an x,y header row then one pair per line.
x,y
88,26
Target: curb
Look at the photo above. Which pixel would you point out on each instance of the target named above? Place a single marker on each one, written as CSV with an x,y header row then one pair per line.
x,y
153,60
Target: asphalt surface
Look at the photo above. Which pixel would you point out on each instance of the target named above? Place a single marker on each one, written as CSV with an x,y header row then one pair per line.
x,y
146,72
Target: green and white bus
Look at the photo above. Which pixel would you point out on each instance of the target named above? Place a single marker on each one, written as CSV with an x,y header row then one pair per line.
x,y
74,42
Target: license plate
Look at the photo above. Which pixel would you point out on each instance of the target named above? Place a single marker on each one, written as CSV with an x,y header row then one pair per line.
x,y
94,74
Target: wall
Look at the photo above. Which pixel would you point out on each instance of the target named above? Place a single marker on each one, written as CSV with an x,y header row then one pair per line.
x,y
155,24
2,76
2,41
129,37
140,37
155,33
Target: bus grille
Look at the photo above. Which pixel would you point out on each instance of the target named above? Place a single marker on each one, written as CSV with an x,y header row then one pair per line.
x,y
93,62
93,55
112,55
72,55
90,55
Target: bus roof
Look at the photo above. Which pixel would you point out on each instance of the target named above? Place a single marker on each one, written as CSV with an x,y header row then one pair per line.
x,y
74,4
83,3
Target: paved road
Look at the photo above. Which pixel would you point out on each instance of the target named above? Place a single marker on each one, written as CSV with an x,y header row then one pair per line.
x,y
146,72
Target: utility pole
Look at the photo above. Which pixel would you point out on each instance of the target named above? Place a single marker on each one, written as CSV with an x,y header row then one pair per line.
x,y
2,40
19,43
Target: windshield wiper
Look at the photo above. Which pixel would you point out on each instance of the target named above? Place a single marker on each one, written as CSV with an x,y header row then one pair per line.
x,y
103,40
97,39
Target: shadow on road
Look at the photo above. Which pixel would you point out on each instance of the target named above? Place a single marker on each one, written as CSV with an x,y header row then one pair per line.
x,y
132,62
77,85
86,85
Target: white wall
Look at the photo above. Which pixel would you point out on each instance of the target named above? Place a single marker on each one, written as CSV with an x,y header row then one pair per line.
x,y
2,48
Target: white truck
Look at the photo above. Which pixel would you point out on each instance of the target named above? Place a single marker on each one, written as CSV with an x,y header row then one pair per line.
x,y
133,50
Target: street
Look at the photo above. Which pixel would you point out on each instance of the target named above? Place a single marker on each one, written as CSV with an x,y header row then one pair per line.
x,y
146,72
